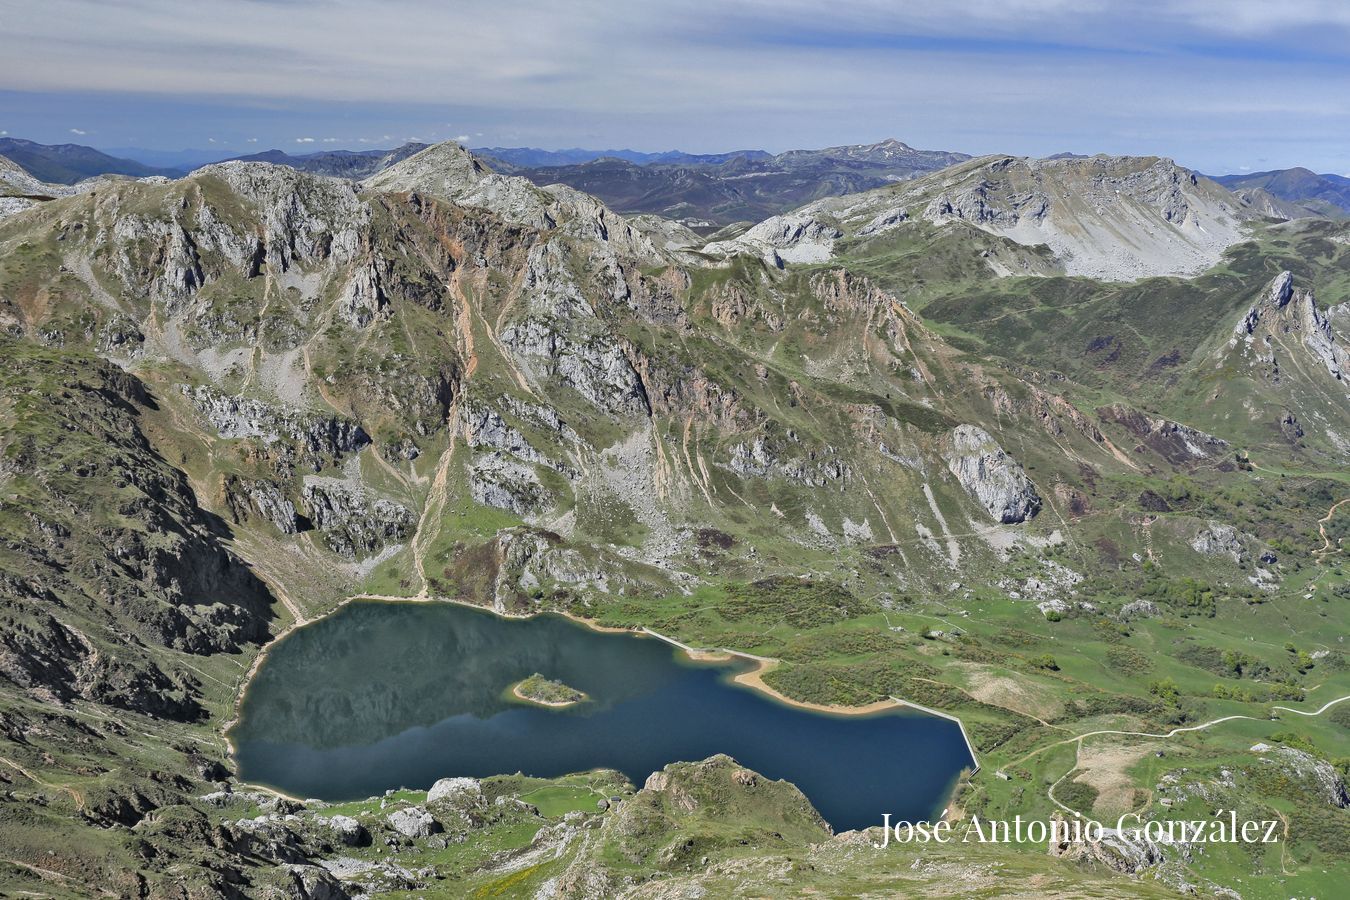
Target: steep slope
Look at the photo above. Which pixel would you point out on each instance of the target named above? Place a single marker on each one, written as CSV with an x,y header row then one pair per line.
x,y
1103,217
444,382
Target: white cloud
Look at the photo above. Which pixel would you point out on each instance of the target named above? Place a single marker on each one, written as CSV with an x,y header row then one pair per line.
x,y
252,141
77,131
1034,76
304,140
462,138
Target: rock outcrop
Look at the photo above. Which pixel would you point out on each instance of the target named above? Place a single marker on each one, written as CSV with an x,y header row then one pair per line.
x,y
317,438
1178,444
990,475
414,822
784,239
1282,309
1217,539
353,524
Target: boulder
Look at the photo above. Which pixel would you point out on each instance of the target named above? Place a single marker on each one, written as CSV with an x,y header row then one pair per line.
x,y
414,822
349,832
460,793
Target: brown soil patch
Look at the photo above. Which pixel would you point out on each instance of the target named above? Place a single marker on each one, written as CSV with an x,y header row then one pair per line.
x,y
1104,768
988,685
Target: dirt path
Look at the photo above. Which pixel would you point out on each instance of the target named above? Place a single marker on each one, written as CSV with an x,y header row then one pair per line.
x,y
1078,740
75,794
1322,528
434,507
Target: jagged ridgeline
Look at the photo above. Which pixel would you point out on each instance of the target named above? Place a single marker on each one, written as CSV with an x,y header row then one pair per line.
x,y
460,372
231,400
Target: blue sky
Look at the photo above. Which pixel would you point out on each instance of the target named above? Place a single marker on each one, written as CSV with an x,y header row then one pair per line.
x,y
1221,86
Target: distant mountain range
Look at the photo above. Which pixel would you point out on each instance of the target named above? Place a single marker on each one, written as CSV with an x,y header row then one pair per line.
x,y
1324,194
530,157
355,164
703,190
745,186
69,163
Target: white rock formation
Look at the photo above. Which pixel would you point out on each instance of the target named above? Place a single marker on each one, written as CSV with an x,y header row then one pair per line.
x,y
990,475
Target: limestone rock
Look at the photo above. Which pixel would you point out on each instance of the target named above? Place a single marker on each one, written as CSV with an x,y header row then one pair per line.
x,y
460,793
1217,539
317,437
263,498
593,364
1318,774
1282,309
1139,609
783,239
349,832
304,882
485,427
498,480
414,822
354,524
990,475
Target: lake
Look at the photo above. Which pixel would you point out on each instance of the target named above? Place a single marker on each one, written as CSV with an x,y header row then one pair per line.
x,y
383,695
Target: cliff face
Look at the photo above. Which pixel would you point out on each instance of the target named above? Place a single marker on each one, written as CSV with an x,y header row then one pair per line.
x,y
108,557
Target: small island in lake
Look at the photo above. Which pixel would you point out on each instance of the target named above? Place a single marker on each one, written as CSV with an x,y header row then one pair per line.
x,y
546,692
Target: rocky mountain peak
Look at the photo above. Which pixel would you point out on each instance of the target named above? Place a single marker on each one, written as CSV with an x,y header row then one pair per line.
x,y
1283,311
1111,217
442,170
1281,290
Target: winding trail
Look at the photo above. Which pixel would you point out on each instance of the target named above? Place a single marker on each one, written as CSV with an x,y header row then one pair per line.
x,y
1322,528
75,793
1078,739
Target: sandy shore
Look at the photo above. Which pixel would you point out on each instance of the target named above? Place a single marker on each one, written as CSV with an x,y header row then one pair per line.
x,y
753,679
556,704
763,665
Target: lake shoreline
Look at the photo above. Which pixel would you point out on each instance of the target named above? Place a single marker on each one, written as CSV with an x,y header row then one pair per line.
x,y
535,701
753,679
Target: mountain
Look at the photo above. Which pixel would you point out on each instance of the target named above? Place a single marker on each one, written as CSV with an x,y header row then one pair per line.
x,y
1322,194
355,164
69,163
1115,218
744,186
20,191
1056,447
530,157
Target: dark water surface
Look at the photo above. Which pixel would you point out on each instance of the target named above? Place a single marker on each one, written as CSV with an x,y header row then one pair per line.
x,y
382,695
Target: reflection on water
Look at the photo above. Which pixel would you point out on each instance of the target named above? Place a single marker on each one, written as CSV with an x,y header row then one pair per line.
x,y
383,695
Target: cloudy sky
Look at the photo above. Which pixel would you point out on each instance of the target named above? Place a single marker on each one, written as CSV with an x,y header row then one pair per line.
x,y
1221,86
